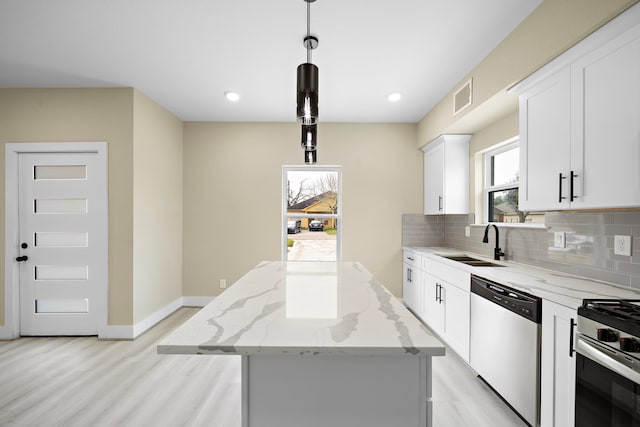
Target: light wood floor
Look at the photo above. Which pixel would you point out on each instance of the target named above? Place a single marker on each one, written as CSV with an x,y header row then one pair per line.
x,y
85,382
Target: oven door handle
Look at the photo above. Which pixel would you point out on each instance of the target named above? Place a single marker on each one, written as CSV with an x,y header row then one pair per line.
x,y
598,355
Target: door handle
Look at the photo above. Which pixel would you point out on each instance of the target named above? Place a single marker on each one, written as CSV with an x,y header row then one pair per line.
x,y
560,198
571,326
571,195
439,203
22,258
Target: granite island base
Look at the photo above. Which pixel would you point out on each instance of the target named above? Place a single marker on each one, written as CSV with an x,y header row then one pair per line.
x,y
322,343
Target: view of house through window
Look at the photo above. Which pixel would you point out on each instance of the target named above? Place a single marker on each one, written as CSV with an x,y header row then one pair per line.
x,y
311,213
502,180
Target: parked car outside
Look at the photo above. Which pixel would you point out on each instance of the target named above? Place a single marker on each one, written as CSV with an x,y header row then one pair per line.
x,y
316,225
294,227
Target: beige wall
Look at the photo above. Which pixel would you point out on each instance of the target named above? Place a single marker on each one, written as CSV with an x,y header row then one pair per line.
x,y
59,115
232,168
498,132
157,207
552,28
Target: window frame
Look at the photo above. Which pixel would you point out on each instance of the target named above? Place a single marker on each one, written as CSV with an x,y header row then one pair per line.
x,y
487,188
285,215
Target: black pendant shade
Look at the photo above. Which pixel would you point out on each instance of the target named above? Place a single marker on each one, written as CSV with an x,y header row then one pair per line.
x,y
310,157
307,94
309,138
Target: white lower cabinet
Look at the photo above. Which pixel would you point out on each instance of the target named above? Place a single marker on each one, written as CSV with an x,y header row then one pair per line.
x,y
433,311
411,282
558,366
446,306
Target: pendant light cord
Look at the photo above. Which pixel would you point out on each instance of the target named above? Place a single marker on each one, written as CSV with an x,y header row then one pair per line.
x,y
308,42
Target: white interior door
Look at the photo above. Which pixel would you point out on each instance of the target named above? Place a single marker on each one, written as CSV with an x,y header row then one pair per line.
x,y
62,235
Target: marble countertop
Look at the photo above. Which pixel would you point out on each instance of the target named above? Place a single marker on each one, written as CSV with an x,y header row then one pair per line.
x,y
561,288
304,308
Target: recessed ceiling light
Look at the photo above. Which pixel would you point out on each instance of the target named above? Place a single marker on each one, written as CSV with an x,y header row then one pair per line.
x,y
231,96
394,96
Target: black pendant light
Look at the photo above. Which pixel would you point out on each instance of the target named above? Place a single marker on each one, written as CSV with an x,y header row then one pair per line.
x,y
309,137
307,95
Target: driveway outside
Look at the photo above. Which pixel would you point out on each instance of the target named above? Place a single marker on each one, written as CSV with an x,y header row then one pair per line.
x,y
312,246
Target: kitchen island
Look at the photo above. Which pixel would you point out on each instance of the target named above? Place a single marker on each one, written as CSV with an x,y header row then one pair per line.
x,y
322,344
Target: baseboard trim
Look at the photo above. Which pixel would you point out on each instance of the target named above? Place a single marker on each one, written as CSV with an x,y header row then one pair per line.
x,y
6,333
196,301
130,332
116,332
146,324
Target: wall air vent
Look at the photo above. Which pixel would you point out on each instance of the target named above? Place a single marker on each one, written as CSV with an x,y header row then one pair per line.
x,y
463,97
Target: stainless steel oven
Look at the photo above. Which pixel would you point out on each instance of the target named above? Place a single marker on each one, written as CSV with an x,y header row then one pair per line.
x,y
608,364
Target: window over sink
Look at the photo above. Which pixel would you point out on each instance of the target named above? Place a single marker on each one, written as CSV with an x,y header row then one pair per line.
x,y
501,186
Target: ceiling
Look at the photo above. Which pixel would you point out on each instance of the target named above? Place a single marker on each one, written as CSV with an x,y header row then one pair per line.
x,y
184,54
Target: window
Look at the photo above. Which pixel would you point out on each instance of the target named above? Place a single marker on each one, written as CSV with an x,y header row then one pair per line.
x,y
502,174
311,213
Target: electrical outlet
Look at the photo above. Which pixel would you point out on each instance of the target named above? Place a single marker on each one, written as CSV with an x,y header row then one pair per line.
x,y
223,283
622,245
467,231
559,239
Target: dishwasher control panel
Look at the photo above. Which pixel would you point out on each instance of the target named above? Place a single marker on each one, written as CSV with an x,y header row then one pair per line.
x,y
521,303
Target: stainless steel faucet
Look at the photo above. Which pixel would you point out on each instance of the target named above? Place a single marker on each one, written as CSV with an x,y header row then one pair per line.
x,y
497,252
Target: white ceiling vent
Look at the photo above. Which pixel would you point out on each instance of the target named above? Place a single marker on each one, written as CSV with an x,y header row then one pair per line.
x,y
463,97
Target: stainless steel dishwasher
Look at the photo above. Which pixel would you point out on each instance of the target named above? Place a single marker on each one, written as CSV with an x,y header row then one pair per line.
x,y
505,344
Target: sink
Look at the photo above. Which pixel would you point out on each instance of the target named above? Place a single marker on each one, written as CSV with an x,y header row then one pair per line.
x,y
474,262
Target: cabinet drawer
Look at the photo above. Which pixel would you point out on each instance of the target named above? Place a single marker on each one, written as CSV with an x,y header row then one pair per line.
x,y
454,276
412,258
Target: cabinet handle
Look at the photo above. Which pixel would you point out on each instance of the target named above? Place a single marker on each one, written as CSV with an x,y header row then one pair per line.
x,y
410,259
572,325
437,286
409,275
571,196
560,178
439,203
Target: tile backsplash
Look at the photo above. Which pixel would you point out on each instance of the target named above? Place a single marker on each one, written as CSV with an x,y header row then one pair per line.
x,y
423,230
588,251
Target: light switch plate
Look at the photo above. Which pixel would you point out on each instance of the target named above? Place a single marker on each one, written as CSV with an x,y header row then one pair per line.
x,y
559,239
622,245
467,231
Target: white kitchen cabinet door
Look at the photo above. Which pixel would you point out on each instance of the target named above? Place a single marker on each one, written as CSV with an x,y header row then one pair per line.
x,y
605,155
411,288
434,180
457,308
558,366
545,138
433,310
446,175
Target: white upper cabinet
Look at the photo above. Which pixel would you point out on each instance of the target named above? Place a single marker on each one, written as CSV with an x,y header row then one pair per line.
x,y
446,175
545,133
606,124
580,124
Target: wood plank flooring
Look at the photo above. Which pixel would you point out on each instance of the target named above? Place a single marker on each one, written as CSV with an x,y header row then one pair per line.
x,y
81,381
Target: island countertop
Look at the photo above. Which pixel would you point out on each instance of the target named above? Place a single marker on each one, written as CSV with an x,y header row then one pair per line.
x,y
304,308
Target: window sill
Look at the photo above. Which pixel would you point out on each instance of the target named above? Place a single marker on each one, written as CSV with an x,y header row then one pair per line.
x,y
513,225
